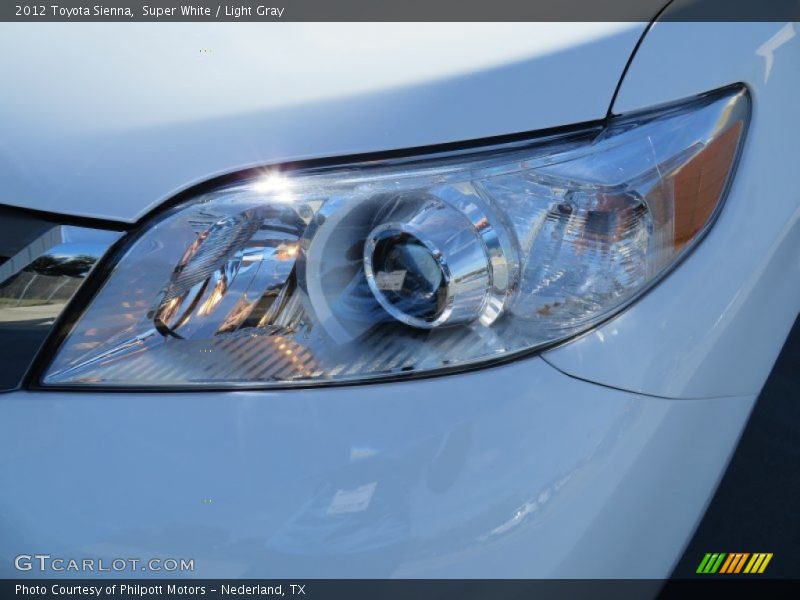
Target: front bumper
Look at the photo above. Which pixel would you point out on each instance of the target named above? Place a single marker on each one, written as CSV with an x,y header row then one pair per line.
x,y
515,471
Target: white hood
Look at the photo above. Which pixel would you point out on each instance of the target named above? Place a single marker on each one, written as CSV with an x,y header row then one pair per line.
x,y
109,120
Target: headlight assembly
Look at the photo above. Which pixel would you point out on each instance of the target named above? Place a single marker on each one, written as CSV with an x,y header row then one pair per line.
x,y
387,269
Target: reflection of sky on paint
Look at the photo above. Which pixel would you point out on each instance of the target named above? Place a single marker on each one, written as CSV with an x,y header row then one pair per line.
x,y
73,249
768,48
277,64
579,446
76,235
83,241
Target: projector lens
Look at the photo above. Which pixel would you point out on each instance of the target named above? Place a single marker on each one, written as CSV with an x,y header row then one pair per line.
x,y
408,276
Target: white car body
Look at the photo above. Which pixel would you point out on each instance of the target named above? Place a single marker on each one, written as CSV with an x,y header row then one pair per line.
x,y
593,459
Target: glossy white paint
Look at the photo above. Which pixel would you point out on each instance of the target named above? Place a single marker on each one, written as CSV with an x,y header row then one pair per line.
x,y
514,471
715,326
111,119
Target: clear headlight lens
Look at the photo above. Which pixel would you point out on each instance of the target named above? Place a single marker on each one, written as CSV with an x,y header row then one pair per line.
x,y
384,269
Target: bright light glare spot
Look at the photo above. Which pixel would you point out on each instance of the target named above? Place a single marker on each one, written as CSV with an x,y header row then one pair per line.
x,y
274,183
286,251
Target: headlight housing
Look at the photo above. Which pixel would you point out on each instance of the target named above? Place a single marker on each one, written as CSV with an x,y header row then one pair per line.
x,y
407,267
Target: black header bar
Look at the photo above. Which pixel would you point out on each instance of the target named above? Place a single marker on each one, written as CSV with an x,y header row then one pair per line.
x,y
397,10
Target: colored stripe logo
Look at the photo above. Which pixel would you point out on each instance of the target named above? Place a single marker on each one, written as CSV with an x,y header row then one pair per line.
x,y
734,562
